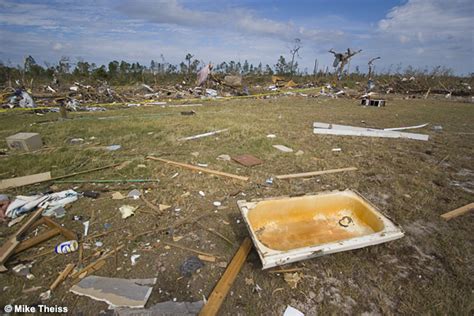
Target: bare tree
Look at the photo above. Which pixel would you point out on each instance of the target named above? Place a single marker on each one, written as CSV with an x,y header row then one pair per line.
x,y
294,52
370,63
342,59
188,59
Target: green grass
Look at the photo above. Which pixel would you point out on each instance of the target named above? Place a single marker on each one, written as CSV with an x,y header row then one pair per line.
x,y
402,177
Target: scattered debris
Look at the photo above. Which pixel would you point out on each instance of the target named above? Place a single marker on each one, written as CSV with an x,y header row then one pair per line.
x,y
203,135
127,211
45,295
457,212
134,194
283,148
164,309
191,265
313,173
187,113
292,279
247,160
116,292
163,207
113,147
291,311
134,258
224,157
86,227
336,149
24,270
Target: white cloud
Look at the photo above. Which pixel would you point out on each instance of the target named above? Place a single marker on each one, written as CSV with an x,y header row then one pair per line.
x,y
239,20
57,46
430,20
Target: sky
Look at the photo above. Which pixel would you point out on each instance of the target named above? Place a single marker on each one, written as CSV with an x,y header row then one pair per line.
x,y
420,33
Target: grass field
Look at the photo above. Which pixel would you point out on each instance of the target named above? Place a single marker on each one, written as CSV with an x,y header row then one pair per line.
x,y
429,271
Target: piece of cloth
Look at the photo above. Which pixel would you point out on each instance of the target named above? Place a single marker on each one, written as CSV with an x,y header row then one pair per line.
x,y
203,74
25,204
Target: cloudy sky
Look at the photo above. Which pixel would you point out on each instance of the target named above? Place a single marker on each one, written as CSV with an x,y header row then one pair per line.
x,y
421,33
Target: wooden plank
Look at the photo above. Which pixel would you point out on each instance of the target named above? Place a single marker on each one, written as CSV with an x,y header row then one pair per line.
x,y
62,276
9,246
210,171
457,212
313,173
223,286
44,177
69,235
33,241
26,180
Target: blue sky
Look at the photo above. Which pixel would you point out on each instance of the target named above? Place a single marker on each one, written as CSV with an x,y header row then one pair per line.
x,y
421,33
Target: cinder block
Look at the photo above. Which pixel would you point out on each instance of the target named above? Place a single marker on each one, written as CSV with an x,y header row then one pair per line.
x,y
25,141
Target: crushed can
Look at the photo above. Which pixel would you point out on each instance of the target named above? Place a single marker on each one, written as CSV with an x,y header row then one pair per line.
x,y
67,247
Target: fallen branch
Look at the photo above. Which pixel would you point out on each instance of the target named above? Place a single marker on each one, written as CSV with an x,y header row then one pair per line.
x,y
215,233
188,249
151,205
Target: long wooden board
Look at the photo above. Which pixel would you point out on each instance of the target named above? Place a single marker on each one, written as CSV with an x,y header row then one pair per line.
x,y
313,173
223,286
457,212
195,168
26,180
